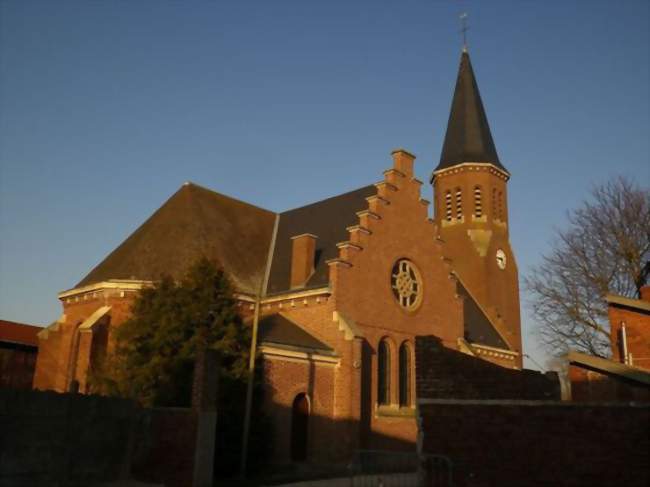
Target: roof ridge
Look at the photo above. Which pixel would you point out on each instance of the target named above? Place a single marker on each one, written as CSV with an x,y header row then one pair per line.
x,y
326,199
209,190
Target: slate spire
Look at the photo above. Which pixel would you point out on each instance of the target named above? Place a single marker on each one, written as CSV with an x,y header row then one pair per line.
x,y
468,137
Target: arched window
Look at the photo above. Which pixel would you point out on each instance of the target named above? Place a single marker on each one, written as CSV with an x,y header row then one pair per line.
x,y
500,206
383,373
478,202
299,428
405,372
459,203
448,206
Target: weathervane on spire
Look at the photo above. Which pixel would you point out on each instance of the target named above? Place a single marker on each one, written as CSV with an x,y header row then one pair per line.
x,y
464,29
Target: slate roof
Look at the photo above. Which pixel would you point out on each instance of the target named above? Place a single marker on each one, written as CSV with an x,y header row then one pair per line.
x,y
278,329
195,222
609,367
478,327
328,220
637,305
468,137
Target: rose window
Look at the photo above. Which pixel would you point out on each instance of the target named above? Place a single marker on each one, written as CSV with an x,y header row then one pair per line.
x,y
406,283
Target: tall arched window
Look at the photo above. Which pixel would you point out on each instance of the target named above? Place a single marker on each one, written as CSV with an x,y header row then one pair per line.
x,y
299,427
405,398
478,202
494,204
459,203
448,206
500,206
383,373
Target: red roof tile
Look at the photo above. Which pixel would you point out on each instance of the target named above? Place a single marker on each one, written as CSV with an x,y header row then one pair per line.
x,y
11,331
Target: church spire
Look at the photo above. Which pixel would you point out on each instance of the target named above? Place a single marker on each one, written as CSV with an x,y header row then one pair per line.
x,y
468,137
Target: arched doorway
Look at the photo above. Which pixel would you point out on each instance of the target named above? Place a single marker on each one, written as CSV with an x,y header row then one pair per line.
x,y
299,428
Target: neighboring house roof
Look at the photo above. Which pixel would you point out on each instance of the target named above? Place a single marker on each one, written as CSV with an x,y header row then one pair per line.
x,y
20,333
277,329
195,222
609,367
328,220
478,327
636,304
468,137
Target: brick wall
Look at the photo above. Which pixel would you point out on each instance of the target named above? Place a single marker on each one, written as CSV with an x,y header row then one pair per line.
x,y
442,373
589,385
17,364
63,355
637,329
165,446
533,443
62,439
47,438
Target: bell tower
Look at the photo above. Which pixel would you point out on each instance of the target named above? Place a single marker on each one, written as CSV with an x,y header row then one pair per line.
x,y
471,210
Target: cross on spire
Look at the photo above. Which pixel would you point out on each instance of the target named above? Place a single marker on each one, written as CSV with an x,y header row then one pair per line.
x,y
464,29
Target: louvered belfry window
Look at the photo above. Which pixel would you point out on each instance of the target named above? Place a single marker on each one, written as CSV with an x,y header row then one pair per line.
x,y
448,206
478,202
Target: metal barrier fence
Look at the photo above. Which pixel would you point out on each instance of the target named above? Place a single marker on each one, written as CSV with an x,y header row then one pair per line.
x,y
378,468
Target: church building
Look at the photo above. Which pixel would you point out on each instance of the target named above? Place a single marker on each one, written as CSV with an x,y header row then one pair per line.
x,y
343,286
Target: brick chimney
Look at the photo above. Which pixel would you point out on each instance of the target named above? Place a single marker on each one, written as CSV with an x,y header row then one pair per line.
x,y
645,293
303,258
403,161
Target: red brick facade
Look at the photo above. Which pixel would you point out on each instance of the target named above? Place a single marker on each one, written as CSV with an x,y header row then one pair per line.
x,y
352,315
355,306
636,318
18,351
626,377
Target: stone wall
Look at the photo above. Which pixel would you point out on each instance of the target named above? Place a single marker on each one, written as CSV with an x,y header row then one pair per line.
x,y
532,443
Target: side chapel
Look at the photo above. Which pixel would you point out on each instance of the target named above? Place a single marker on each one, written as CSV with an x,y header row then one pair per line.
x,y
343,286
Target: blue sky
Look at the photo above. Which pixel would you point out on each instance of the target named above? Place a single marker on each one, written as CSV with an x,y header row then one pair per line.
x,y
106,108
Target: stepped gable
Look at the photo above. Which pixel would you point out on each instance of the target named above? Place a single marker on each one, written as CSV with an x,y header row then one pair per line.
x,y
327,220
193,223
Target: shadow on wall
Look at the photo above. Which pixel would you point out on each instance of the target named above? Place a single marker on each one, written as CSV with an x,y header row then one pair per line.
x,y
50,438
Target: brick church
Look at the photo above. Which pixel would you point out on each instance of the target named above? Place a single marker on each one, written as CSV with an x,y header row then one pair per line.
x,y
343,287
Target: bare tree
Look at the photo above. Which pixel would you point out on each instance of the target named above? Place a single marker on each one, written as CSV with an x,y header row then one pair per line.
x,y
604,250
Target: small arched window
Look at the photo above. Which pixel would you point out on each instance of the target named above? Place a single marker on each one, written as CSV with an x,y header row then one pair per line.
x,y
448,206
383,373
459,203
478,202
405,374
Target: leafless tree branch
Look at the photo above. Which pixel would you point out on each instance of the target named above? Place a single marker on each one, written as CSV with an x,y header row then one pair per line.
x,y
604,250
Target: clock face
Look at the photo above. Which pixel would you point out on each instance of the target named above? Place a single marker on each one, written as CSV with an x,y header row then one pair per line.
x,y
501,259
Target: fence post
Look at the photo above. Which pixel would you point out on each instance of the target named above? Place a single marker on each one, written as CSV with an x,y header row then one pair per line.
x,y
204,404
